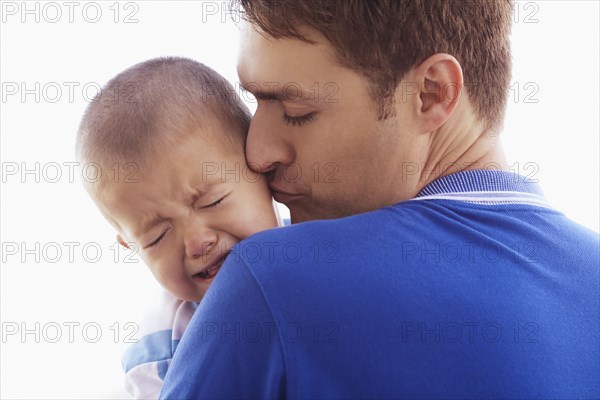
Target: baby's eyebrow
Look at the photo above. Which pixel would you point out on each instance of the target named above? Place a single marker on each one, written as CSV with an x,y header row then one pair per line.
x,y
149,225
197,191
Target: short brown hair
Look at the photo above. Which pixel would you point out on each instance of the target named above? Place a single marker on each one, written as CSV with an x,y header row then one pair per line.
x,y
384,39
147,105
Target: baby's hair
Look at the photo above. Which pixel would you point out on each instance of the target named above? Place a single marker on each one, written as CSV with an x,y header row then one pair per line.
x,y
150,104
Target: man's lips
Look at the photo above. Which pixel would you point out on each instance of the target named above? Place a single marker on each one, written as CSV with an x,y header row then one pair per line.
x,y
283,196
211,270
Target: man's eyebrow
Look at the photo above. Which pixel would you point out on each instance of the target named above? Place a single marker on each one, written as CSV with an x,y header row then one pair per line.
x,y
287,92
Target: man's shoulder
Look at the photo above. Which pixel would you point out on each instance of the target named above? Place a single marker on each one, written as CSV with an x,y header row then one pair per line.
x,y
403,219
391,231
326,242
340,226
302,236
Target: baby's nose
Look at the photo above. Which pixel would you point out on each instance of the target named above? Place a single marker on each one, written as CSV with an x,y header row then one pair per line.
x,y
200,243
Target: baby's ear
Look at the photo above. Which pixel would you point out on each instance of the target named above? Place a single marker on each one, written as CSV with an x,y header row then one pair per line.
x,y
121,241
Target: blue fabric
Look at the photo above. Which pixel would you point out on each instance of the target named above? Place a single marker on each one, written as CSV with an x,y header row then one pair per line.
x,y
162,367
150,348
428,298
157,346
482,181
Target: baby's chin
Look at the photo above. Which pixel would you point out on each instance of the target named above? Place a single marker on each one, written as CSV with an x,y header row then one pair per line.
x,y
196,286
194,292
197,296
188,294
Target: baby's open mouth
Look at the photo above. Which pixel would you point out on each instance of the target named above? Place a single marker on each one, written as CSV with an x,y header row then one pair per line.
x,y
210,272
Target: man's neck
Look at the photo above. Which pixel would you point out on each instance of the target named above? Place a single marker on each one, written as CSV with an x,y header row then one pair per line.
x,y
455,148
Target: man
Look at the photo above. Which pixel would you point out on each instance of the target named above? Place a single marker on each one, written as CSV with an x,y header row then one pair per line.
x,y
456,278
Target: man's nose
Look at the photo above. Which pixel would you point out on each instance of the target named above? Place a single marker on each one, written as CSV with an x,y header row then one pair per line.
x,y
265,145
200,242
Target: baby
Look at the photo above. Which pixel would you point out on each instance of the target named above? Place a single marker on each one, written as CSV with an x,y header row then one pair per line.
x,y
184,195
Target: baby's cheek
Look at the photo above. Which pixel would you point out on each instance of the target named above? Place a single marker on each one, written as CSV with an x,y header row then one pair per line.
x,y
247,227
166,278
260,218
161,276
251,210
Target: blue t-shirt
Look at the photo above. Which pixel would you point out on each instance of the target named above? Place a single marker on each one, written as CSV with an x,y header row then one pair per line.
x,y
475,288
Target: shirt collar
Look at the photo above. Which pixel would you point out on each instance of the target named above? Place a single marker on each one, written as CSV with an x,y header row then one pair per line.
x,y
485,187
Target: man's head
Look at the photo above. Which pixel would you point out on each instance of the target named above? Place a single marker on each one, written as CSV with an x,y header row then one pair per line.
x,y
167,138
361,103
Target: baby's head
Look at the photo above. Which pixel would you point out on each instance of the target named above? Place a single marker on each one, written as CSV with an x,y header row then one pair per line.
x,y
168,138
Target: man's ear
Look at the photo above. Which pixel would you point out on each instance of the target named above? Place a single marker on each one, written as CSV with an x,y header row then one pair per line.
x,y
441,85
122,242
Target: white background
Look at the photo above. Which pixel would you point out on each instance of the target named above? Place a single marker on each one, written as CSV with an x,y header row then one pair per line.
x,y
552,135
